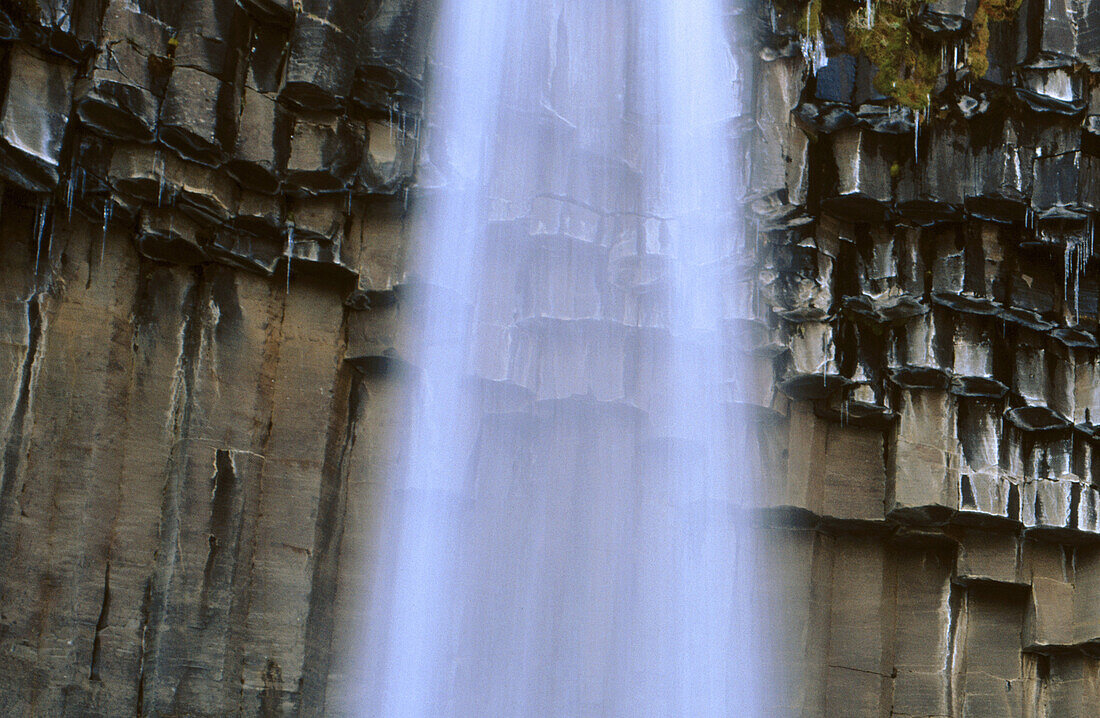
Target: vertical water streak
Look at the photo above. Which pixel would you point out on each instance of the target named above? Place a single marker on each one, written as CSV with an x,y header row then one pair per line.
x,y
697,90
407,652
563,537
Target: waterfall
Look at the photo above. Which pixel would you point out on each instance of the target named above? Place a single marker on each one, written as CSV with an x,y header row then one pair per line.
x,y
565,534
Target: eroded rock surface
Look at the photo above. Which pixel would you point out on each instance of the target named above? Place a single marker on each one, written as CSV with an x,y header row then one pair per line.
x,y
204,276
926,275
183,440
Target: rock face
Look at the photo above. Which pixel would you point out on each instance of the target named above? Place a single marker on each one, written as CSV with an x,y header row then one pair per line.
x,y
188,432
203,262
927,318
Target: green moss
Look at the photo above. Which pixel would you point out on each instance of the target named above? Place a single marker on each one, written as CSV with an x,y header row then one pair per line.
x,y
907,65
907,70
977,51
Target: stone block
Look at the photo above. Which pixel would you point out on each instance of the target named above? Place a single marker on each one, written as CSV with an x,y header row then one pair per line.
x,y
988,556
321,64
1050,615
34,118
855,474
925,465
198,113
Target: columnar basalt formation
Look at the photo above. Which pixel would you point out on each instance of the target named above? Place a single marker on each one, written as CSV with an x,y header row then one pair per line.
x,y
927,311
203,269
200,199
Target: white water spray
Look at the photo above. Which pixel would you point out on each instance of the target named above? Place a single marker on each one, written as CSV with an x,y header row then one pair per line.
x,y
563,536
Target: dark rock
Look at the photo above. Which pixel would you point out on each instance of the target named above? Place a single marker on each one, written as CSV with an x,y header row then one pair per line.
x,y
825,119
262,146
260,215
248,251
388,159
1057,36
274,11
886,120
146,174
1000,179
206,195
34,119
266,59
943,19
197,114
863,187
61,27
210,38
1051,89
929,190
320,220
348,15
864,90
324,154
9,29
835,82
392,54
120,97
321,65
168,236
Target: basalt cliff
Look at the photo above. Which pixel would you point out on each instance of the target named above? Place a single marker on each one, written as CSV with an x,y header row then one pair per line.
x,y
206,206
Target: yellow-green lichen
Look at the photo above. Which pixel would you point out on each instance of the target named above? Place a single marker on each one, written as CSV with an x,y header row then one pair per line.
x,y
809,24
907,69
977,51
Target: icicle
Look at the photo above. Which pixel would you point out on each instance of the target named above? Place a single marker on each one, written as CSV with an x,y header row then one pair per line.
x,y
1090,228
813,46
39,230
809,25
916,137
869,15
1067,263
289,254
1077,253
69,189
158,170
49,248
824,357
406,200
106,223
1082,261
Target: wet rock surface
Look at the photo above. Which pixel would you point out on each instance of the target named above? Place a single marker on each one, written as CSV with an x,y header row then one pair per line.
x,y
190,195
926,263
197,103
205,296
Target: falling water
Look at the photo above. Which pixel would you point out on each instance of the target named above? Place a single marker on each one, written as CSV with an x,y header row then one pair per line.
x,y
563,535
